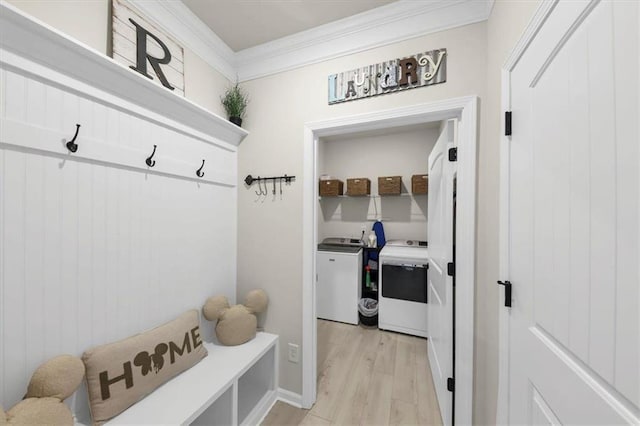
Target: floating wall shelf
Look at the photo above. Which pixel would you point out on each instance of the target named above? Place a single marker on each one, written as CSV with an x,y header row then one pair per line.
x,y
23,36
404,194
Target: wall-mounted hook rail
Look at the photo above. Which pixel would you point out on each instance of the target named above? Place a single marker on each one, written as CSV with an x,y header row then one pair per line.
x,y
249,180
150,162
72,145
199,172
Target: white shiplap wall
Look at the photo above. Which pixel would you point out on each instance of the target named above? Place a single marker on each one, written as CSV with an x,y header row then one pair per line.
x,y
95,246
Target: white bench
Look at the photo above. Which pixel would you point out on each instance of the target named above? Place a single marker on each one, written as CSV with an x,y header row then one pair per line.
x,y
233,385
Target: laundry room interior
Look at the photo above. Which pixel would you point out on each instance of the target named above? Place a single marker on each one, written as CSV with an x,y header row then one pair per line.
x,y
372,155
367,177
372,286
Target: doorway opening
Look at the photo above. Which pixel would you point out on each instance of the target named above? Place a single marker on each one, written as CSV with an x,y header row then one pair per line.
x,y
465,111
371,296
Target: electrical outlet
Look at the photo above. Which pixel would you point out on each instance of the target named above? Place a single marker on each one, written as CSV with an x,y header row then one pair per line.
x,y
294,353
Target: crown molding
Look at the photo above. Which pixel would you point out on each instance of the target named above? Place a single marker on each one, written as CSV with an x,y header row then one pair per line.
x,y
394,22
180,22
384,25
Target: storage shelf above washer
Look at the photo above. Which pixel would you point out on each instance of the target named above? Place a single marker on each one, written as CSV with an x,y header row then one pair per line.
x,y
404,194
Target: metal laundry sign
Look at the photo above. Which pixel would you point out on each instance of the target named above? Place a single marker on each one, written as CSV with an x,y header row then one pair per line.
x,y
422,69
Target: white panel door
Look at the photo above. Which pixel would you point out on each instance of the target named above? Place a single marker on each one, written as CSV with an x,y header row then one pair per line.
x,y
573,216
440,289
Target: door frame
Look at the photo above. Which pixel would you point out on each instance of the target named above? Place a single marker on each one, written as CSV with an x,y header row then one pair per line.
x,y
466,110
538,19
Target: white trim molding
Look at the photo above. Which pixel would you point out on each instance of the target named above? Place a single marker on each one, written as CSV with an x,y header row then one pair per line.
x,y
377,27
177,19
291,398
381,26
280,394
466,110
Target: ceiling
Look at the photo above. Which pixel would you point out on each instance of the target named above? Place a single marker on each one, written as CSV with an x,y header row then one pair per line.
x,y
246,23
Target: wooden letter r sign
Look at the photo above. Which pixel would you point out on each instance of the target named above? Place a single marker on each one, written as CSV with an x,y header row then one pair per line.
x,y
142,55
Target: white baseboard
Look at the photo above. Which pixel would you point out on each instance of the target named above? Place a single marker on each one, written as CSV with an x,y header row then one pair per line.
x,y
260,411
290,398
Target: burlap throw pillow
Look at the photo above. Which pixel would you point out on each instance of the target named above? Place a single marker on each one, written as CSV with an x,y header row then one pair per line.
x,y
122,373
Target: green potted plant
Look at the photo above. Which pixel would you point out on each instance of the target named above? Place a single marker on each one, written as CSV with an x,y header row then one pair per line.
x,y
235,103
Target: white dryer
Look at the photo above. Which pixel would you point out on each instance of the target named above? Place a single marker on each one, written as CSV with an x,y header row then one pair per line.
x,y
403,287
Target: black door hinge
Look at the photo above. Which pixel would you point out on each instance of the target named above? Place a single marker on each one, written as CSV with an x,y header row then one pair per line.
x,y
451,269
507,123
451,384
453,154
507,292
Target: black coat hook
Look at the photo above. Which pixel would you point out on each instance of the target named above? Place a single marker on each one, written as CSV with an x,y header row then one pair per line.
x,y
199,172
149,160
72,145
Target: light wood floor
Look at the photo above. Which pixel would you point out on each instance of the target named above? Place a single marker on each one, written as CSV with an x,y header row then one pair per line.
x,y
366,377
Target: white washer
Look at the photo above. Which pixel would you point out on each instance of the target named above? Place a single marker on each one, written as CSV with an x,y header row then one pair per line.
x,y
403,287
